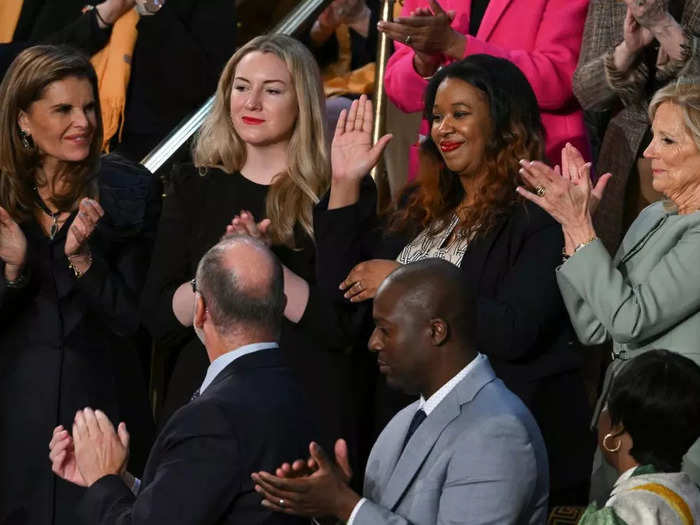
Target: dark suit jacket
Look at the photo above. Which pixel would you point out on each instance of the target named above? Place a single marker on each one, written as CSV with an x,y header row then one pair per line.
x,y
523,326
252,417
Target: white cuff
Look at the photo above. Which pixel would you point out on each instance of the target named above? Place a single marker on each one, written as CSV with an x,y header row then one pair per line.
x,y
355,510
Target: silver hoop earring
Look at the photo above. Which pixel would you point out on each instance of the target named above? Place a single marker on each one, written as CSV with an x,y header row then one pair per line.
x,y
605,443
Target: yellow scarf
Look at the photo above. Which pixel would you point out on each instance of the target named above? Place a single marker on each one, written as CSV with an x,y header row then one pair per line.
x,y
113,67
9,16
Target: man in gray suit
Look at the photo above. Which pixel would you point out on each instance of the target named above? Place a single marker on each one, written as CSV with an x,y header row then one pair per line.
x,y
468,451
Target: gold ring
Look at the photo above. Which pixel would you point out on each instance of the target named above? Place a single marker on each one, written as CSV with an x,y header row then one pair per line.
x,y
539,190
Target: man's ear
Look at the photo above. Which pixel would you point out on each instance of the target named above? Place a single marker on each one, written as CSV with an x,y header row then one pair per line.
x,y
200,312
439,331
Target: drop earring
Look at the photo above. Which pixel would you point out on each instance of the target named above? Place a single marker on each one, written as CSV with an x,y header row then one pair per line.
x,y
24,137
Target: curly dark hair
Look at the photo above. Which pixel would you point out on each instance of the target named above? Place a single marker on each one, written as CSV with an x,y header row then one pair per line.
x,y
516,133
656,397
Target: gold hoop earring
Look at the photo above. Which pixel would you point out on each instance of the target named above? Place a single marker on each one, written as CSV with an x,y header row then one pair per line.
x,y
605,443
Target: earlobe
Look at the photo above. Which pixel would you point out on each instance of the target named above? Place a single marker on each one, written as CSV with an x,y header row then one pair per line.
x,y
23,122
200,312
439,331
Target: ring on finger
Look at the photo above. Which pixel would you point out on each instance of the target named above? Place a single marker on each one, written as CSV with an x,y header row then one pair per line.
x,y
407,40
540,190
359,285
281,502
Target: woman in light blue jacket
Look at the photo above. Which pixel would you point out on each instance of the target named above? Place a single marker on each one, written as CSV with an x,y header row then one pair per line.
x,y
648,295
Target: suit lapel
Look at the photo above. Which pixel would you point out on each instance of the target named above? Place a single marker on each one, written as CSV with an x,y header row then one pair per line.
x,y
491,17
645,231
421,443
477,253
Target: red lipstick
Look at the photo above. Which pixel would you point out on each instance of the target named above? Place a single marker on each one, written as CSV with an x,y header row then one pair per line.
x,y
252,121
449,146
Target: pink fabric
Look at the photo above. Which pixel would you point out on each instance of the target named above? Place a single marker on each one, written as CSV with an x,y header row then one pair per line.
x,y
541,37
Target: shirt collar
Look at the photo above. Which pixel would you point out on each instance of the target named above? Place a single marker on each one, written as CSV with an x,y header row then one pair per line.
x,y
428,405
221,362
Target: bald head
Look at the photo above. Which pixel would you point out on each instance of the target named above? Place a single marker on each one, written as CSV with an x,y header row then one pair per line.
x,y
434,288
241,281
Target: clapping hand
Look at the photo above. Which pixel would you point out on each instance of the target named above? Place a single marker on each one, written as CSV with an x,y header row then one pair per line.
x,y
427,31
636,36
99,449
83,226
648,13
244,224
324,491
352,153
566,194
13,245
62,456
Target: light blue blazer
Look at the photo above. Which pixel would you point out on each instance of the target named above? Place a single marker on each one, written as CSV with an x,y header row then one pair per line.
x,y
477,458
646,297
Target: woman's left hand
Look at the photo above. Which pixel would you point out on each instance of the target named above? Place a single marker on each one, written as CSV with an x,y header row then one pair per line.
x,y
83,226
244,224
364,279
427,32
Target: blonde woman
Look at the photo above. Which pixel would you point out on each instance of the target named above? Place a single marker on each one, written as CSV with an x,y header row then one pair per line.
x,y
260,156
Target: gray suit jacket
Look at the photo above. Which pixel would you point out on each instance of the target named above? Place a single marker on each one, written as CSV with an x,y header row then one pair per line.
x,y
646,297
477,458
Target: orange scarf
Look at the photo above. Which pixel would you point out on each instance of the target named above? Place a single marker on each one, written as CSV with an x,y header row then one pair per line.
x,y
113,67
9,16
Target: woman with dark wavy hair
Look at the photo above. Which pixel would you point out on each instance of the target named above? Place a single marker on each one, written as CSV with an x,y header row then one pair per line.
x,y
75,237
464,208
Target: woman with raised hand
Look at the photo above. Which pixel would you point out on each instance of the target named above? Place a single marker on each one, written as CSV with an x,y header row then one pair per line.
x,y
463,208
648,294
75,238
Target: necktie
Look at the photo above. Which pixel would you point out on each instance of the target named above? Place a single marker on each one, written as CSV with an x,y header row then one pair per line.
x,y
195,395
418,418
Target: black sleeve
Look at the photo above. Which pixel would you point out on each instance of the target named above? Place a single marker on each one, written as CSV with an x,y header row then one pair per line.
x,y
13,300
184,46
171,263
83,33
528,303
345,237
116,277
196,478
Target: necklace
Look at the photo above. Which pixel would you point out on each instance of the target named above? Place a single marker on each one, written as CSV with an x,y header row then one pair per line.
x,y
53,230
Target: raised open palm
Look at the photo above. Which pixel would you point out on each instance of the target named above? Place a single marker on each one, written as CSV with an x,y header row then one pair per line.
x,y
352,153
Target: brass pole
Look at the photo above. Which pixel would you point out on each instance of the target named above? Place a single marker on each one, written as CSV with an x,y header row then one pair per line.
x,y
379,99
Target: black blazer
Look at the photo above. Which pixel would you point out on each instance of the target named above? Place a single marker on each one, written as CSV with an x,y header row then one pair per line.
x,y
67,343
252,417
523,326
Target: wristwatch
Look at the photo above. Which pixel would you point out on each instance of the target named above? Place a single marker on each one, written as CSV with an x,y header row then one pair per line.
x,y
149,7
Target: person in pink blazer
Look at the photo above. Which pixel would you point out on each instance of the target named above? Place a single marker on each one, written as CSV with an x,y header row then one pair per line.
x,y
541,37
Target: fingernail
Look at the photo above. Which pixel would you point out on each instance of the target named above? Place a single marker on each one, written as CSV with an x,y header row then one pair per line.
x,y
522,161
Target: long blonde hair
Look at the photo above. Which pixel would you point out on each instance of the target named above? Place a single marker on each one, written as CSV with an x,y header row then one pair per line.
x,y
30,74
292,195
